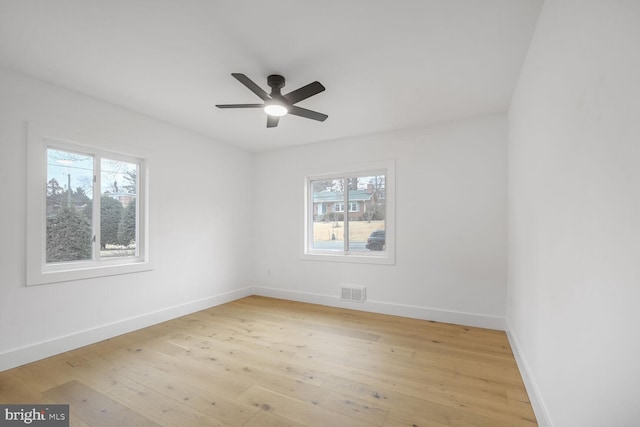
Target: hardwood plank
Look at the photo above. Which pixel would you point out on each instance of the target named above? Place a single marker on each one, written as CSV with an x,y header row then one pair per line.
x,y
94,408
186,385
156,406
411,403
15,391
260,361
268,419
296,410
285,379
41,376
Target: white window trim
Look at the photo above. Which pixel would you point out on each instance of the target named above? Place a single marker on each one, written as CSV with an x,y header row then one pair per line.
x,y
362,169
38,272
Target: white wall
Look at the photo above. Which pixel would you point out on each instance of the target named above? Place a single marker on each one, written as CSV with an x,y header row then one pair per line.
x,y
450,228
200,219
574,214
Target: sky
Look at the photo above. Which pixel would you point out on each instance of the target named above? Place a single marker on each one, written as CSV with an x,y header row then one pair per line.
x,y
78,169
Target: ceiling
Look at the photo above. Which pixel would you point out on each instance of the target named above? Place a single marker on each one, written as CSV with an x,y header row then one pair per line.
x,y
387,65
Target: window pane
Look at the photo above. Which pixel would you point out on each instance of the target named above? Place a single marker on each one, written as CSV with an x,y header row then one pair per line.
x,y
328,215
69,198
118,216
367,204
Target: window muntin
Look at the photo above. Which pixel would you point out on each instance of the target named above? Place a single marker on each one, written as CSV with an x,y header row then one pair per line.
x,y
64,219
347,233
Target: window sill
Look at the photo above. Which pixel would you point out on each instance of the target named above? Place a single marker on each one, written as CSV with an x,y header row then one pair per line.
x,y
89,272
355,258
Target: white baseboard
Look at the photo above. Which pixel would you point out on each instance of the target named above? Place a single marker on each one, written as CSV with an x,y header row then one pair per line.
x,y
415,312
542,416
20,356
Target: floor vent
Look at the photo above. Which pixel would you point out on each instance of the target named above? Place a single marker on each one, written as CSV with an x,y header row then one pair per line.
x,y
354,294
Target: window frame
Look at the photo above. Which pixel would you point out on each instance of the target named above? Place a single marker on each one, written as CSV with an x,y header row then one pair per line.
x,y
40,139
373,257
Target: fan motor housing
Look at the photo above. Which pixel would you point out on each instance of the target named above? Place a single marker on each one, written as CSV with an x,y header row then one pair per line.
x,y
275,81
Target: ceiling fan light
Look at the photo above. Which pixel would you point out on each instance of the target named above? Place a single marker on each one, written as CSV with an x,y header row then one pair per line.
x,y
276,110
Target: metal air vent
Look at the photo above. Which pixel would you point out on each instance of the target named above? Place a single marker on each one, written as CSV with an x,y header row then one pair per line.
x,y
354,294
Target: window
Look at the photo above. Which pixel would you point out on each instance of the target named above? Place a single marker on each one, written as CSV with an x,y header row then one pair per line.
x,y
339,207
364,233
87,211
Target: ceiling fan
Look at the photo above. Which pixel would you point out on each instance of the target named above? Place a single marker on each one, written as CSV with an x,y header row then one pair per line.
x,y
275,103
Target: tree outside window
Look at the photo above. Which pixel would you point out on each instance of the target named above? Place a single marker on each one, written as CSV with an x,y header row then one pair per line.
x,y
71,229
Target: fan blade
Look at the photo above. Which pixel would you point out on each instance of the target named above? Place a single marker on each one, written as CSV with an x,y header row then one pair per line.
x,y
252,86
304,92
303,112
240,105
272,121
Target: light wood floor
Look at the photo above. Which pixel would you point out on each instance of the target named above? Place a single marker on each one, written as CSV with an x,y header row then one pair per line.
x,y
267,362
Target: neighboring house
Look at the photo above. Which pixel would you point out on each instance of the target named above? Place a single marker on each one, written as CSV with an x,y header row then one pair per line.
x,y
124,198
362,204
